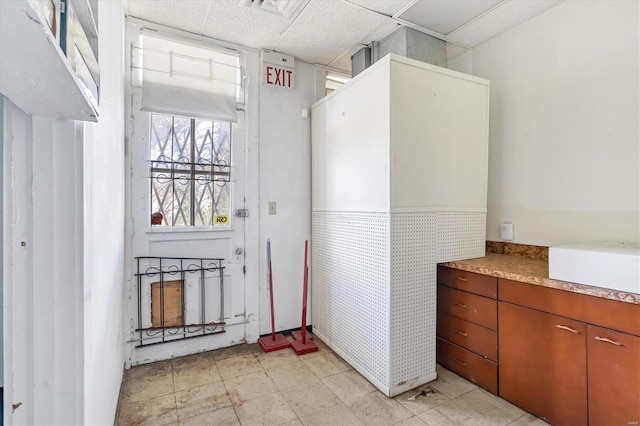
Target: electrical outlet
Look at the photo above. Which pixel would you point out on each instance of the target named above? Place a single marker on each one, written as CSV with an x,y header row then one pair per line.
x,y
272,207
506,231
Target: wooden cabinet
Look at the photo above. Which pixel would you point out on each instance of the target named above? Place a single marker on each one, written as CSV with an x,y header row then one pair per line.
x,y
466,326
613,369
569,358
543,364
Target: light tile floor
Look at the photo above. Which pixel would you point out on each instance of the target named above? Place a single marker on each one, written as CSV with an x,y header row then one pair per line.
x,y
243,385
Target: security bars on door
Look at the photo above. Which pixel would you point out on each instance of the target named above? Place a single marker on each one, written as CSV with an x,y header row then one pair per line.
x,y
190,171
178,298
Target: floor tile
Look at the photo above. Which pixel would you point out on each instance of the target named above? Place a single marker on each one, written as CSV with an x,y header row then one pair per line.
x,y
411,421
270,409
238,366
427,396
326,365
376,409
195,374
152,369
233,351
336,416
190,361
294,375
528,420
295,422
348,386
244,385
202,399
450,384
310,399
221,417
275,358
477,408
140,388
154,411
249,386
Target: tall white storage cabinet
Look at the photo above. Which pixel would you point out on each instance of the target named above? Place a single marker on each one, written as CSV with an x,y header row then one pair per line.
x,y
399,184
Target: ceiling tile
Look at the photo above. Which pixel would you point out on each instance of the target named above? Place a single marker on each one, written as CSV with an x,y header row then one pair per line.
x,y
508,15
387,7
444,16
327,29
185,15
245,26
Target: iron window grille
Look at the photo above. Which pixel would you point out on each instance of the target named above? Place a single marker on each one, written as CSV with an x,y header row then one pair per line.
x,y
190,171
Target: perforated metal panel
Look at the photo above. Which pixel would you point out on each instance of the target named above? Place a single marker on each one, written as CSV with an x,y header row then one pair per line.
x,y
413,295
374,285
350,286
461,235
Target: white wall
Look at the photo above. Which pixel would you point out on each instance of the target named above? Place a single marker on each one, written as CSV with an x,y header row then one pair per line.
x,y
285,178
63,244
43,277
564,159
103,193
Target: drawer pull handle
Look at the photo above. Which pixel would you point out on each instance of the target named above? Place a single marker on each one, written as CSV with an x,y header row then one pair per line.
x,y
462,333
604,339
462,305
462,279
564,327
464,364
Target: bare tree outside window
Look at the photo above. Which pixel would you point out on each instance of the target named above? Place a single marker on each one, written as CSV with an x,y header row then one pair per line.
x,y
190,170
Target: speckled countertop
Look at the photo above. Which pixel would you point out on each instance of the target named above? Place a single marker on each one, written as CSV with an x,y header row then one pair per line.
x,y
534,271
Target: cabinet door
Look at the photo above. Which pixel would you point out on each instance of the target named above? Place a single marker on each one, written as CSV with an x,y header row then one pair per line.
x,y
613,365
543,365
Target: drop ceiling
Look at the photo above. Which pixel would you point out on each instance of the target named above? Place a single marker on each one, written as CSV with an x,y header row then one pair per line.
x,y
328,32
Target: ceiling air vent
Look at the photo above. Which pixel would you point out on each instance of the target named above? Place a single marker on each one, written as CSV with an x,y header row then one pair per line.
x,y
287,8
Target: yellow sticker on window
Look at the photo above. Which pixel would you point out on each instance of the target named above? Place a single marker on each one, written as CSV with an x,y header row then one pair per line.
x,y
221,219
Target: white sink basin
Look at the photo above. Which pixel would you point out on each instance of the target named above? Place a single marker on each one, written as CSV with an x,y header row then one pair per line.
x,y
604,264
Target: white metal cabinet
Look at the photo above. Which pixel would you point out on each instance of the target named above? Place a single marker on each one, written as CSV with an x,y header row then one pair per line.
x,y
399,184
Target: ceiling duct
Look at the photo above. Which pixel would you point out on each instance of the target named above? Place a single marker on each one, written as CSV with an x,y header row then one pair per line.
x,y
405,42
360,61
287,8
412,44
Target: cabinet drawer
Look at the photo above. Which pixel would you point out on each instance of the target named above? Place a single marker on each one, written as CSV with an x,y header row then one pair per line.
x,y
483,285
471,307
478,370
613,366
470,336
607,313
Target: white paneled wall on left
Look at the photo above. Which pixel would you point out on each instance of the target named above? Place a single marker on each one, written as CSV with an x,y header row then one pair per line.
x,y
63,239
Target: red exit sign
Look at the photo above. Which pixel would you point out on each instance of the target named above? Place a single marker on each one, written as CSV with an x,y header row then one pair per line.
x,y
281,77
277,69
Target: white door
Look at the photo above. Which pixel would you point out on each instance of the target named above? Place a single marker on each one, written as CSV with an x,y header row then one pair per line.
x,y
187,201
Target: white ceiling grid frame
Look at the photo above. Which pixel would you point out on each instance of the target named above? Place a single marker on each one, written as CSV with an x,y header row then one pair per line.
x,y
499,19
327,37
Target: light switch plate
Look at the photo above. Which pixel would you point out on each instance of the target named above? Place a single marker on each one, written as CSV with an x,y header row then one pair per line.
x,y
272,207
